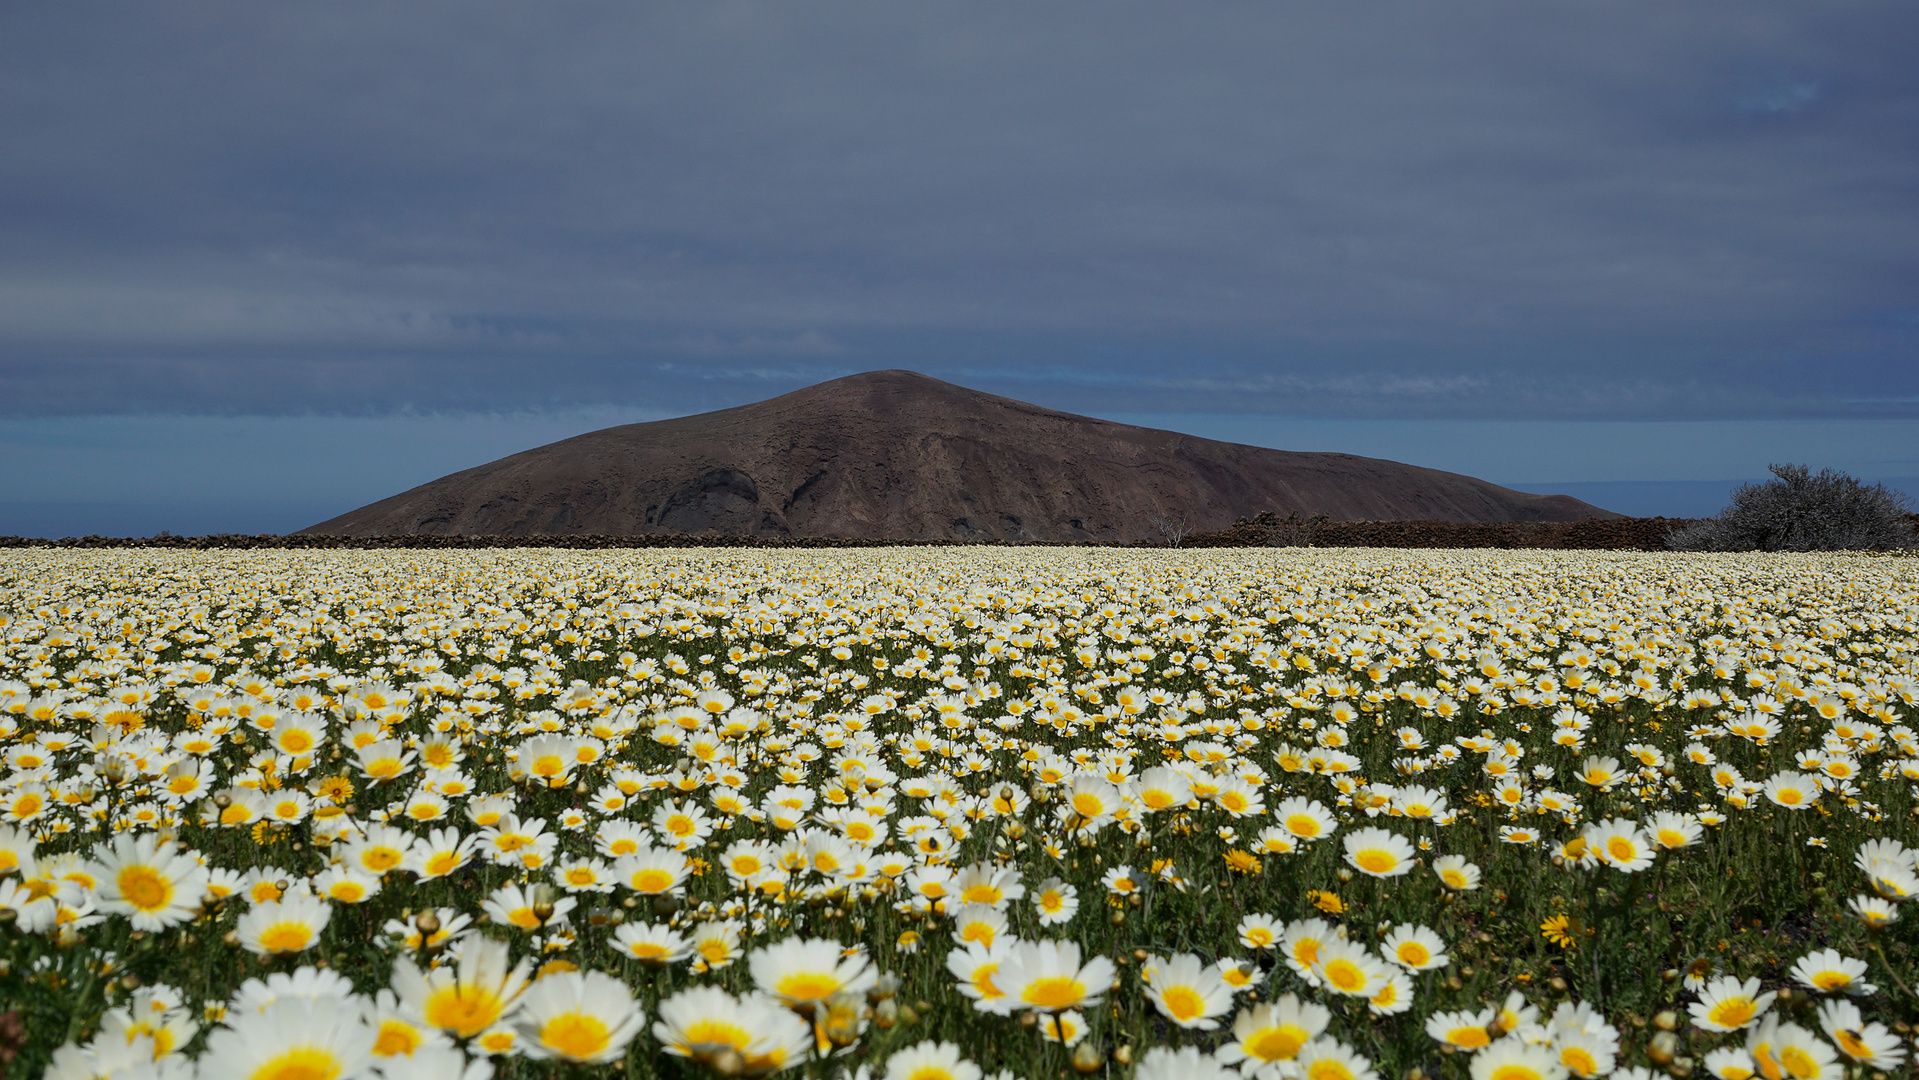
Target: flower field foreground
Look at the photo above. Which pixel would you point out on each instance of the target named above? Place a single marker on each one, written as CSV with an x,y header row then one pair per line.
x,y
957,813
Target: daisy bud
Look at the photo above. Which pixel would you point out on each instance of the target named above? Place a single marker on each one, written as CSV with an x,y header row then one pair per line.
x,y
1087,1058
884,987
1123,1054
1666,1021
886,1013
842,1021
725,1061
542,902
1661,1048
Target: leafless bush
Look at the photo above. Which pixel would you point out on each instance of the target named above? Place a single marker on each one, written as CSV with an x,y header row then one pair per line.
x,y
1803,511
1172,529
1296,531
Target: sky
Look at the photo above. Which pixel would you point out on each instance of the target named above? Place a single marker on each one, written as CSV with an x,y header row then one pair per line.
x,y
262,263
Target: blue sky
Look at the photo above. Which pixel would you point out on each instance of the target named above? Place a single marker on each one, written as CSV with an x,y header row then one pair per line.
x,y
262,263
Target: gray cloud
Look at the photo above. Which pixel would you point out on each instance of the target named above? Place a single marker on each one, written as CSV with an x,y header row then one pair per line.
x,y
1368,209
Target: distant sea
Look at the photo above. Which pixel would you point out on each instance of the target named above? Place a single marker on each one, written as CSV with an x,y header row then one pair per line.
x,y
1673,498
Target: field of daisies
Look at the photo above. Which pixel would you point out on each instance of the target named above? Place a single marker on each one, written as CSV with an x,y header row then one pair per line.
x,y
952,814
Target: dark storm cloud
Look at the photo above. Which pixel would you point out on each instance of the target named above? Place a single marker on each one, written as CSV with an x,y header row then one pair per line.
x,y
1409,209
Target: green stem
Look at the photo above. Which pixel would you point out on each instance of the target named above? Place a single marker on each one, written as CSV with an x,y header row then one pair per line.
x,y
1887,964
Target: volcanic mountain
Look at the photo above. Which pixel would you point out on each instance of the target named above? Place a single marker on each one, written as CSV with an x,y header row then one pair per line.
x,y
898,455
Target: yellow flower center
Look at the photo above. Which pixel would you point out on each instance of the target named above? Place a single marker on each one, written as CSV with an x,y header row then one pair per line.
x,y
1852,1044
575,1035
1798,1062
983,982
1280,1043
808,986
1832,980
651,880
466,1011
299,1063
1413,954
380,859
1182,1002
1088,805
1346,976
1579,1060
1622,849
1329,1069
286,937
1733,1012
717,1032
1515,1071
396,1038
1303,825
145,888
1054,992
1471,1038
1376,861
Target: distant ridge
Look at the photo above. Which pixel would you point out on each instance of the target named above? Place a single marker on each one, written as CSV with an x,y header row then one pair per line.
x,y
899,455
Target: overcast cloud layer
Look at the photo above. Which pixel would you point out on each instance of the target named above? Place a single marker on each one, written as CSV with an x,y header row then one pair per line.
x,y
1530,209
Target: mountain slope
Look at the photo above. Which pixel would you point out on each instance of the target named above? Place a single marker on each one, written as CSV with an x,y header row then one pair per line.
x,y
898,455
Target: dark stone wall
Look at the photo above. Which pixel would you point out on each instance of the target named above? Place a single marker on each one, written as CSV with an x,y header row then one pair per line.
x,y
1266,530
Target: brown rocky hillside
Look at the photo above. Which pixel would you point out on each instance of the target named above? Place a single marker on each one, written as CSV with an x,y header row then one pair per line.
x,y
898,455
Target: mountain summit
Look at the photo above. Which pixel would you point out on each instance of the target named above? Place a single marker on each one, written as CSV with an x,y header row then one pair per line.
x,y
898,455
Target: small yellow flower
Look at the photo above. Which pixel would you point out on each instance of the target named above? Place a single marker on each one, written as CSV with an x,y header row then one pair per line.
x,y
1328,902
1240,861
1560,931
